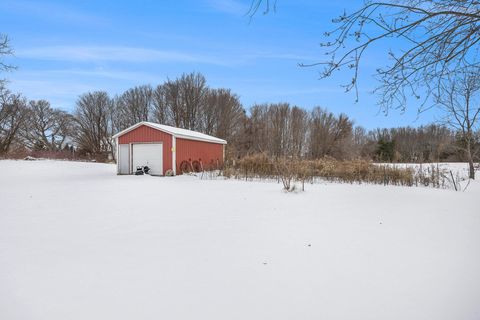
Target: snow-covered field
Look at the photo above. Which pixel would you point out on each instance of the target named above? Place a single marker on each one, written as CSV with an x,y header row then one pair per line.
x,y
79,242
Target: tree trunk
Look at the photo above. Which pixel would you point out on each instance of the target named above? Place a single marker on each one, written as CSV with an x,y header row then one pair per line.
x,y
471,174
471,168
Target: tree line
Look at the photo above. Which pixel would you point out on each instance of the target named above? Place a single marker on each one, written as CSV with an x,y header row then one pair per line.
x,y
275,129
185,102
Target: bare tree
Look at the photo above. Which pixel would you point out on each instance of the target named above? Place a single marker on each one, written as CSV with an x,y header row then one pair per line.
x,y
133,106
256,130
161,105
192,94
174,100
459,97
222,113
269,129
12,107
5,50
13,113
180,102
328,134
47,128
431,143
359,142
342,137
279,131
276,129
298,123
187,102
93,128
431,39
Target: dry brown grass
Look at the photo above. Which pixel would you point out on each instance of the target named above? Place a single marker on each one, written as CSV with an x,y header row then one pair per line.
x,y
287,170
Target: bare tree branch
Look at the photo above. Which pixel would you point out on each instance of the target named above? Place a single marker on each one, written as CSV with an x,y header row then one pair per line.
x,y
5,50
458,96
431,38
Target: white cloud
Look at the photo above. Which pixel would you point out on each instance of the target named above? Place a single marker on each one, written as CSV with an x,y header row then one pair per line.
x,y
228,6
97,54
52,12
110,74
116,53
61,94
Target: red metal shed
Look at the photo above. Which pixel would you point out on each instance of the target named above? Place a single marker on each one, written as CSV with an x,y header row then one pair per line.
x,y
164,148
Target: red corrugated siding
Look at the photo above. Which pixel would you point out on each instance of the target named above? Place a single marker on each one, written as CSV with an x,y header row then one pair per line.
x,y
147,134
210,154
191,150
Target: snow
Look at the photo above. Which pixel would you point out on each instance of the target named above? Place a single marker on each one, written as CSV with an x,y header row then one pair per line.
x,y
79,242
177,132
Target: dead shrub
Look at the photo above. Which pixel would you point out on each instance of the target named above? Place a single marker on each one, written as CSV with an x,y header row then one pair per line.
x,y
256,166
289,170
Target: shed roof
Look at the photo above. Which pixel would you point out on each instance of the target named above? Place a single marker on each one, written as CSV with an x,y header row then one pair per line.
x,y
176,132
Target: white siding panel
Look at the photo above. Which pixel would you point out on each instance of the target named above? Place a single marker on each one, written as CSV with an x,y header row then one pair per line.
x,y
123,159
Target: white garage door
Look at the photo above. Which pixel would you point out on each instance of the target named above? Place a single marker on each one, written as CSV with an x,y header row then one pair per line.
x,y
148,154
123,158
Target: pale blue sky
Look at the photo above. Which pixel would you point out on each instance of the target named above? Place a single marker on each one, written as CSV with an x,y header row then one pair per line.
x,y
66,48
